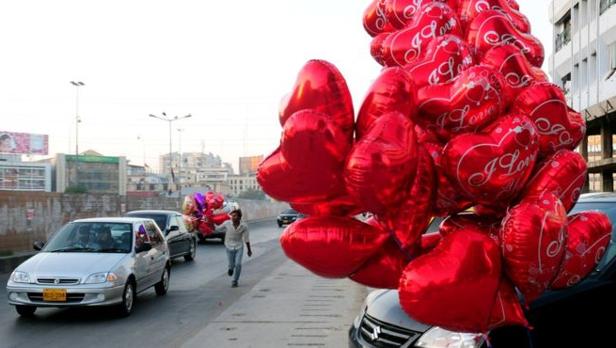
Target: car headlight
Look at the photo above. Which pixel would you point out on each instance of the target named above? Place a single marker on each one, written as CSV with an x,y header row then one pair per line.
x,y
20,277
441,338
102,277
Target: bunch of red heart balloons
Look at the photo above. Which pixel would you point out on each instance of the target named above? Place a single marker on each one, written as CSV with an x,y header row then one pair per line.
x,y
460,123
199,212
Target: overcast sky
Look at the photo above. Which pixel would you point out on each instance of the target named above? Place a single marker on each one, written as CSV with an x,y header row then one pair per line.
x,y
228,63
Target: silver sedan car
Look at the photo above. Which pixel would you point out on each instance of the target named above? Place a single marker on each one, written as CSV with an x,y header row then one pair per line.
x,y
93,262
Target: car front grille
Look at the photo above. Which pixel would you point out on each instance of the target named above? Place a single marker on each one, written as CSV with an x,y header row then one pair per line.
x,y
385,335
70,297
61,281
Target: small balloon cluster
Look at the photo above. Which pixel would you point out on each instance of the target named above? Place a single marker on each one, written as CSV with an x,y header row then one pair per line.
x,y
199,212
460,117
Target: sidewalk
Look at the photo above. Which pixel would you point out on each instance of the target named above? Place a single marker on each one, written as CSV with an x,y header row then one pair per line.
x,y
291,307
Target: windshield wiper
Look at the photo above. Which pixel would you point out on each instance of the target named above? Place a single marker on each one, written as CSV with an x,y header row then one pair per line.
x,y
70,249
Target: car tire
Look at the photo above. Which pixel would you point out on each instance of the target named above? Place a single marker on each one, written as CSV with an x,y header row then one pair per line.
x,y
192,252
201,238
279,225
163,285
25,311
125,308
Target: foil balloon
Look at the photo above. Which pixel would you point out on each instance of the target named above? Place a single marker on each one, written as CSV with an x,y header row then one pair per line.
x,y
200,202
449,199
411,218
382,163
562,174
406,46
489,226
188,205
492,28
506,310
469,9
322,88
218,219
393,90
332,247
534,237
545,104
513,65
471,101
401,12
383,270
454,286
493,166
446,57
341,205
589,234
190,222
429,241
375,20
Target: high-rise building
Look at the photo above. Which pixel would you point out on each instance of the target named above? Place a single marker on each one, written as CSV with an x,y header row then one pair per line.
x,y
91,171
584,66
250,164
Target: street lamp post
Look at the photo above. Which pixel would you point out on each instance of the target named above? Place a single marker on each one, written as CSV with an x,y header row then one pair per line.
x,y
77,84
170,121
180,130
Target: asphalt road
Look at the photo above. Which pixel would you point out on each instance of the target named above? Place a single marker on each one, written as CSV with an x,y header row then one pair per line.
x,y
199,291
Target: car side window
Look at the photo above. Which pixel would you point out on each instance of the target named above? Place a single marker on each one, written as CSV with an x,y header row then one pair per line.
x,y
141,236
153,233
180,222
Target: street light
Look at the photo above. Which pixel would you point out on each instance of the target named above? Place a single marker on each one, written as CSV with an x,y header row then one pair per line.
x,y
180,130
170,120
77,84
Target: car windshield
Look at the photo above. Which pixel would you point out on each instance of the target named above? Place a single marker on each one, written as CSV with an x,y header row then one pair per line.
x,y
608,208
92,237
290,212
160,219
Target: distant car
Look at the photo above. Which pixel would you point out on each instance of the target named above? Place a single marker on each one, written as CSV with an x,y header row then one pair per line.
x,y
288,216
181,242
572,317
93,262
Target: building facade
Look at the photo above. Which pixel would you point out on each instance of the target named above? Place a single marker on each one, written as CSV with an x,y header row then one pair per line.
x,y
584,65
196,169
16,175
250,164
240,183
97,174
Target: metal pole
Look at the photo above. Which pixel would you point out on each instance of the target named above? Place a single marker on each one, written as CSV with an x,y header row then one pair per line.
x,y
170,158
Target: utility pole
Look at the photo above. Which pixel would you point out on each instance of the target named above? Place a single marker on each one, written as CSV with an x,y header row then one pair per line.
x,y
77,85
170,121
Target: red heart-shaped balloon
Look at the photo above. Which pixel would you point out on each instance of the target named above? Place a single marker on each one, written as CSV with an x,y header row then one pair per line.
x,y
401,12
375,21
513,4
469,102
563,174
534,236
406,46
464,265
559,128
382,163
393,90
513,65
469,9
446,57
493,166
589,234
491,28
506,310
332,247
409,220
342,205
383,270
321,87
429,241
449,199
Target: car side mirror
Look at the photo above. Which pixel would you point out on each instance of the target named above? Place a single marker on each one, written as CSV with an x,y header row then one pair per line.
x,y
173,228
38,245
143,247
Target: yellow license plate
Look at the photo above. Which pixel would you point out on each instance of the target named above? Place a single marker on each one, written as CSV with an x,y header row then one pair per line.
x,y
54,295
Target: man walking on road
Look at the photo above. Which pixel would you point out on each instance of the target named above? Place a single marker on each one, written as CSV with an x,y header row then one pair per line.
x,y
236,235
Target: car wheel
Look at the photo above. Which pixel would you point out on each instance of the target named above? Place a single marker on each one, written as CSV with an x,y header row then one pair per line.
x,y
125,308
25,311
192,251
201,238
279,225
163,285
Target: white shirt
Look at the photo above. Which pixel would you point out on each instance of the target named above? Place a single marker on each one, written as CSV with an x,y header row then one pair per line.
x,y
235,237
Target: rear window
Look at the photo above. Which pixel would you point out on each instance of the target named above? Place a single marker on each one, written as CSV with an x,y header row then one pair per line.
x,y
290,211
160,219
609,208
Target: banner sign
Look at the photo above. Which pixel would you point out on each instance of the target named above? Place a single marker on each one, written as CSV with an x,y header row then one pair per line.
x,y
24,143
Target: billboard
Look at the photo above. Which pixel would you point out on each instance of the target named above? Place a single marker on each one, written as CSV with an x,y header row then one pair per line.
x,y
24,143
250,164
